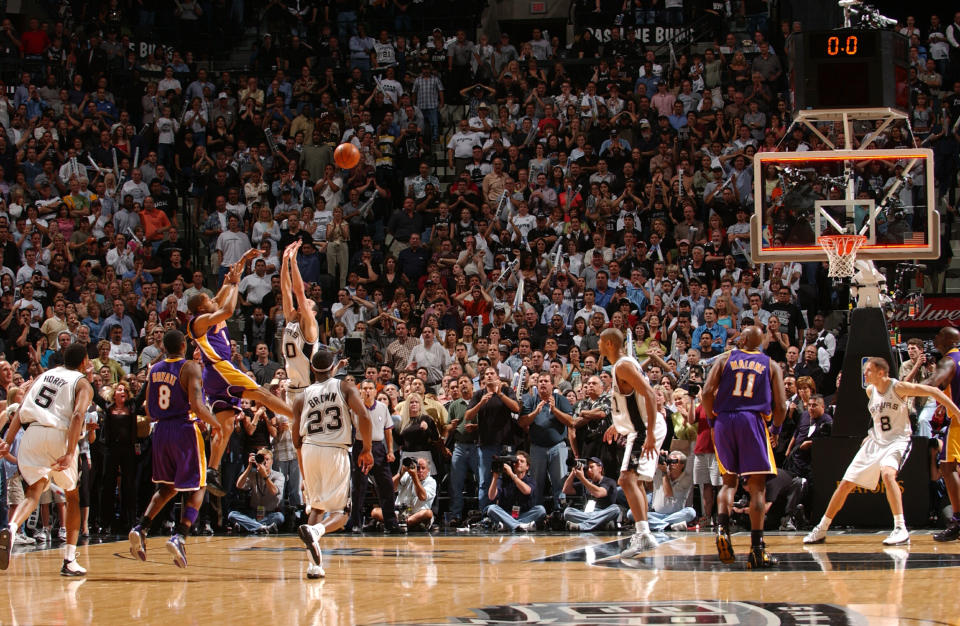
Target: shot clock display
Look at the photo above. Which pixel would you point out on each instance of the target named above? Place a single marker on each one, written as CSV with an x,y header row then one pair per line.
x,y
850,68
844,44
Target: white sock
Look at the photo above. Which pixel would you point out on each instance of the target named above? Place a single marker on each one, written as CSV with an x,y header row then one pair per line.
x,y
825,522
14,529
643,527
320,528
899,522
70,552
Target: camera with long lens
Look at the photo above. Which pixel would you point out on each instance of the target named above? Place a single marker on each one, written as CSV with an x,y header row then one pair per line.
x,y
573,463
409,462
259,458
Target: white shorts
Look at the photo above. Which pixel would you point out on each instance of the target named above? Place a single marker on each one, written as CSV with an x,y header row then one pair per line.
x,y
706,470
864,469
40,447
326,477
633,458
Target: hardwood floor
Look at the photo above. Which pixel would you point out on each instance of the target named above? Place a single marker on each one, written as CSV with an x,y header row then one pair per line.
x,y
519,578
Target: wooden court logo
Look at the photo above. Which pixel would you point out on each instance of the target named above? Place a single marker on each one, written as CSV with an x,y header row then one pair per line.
x,y
673,612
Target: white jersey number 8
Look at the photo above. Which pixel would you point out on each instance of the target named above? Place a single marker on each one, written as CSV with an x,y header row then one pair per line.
x,y
163,396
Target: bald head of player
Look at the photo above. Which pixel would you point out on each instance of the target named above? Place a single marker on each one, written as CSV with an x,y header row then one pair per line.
x,y
322,363
751,338
174,343
947,339
611,344
74,356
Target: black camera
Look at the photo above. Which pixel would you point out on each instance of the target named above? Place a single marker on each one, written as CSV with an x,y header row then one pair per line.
x,y
930,351
410,462
666,460
506,457
259,458
573,463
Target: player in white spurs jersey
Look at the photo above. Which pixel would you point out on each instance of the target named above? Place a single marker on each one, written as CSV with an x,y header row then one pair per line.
x,y
884,449
324,418
52,412
301,331
633,407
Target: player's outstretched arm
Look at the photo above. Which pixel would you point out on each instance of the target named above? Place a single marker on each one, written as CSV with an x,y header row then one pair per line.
x,y
711,385
285,285
226,298
191,380
942,376
228,291
364,425
295,422
779,394
308,322
904,389
84,396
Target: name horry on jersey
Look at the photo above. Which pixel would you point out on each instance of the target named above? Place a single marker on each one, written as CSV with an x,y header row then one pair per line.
x,y
54,380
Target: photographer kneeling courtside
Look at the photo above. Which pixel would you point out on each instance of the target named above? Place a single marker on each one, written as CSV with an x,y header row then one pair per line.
x,y
600,510
416,489
265,485
512,506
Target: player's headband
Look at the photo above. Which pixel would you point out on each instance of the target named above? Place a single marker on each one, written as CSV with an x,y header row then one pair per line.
x,y
321,346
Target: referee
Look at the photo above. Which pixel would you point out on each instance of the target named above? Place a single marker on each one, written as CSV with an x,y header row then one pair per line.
x,y
382,450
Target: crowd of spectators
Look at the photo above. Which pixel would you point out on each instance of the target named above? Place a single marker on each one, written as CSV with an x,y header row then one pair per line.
x,y
504,212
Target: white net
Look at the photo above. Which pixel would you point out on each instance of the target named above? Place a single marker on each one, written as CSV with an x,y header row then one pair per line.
x,y
841,253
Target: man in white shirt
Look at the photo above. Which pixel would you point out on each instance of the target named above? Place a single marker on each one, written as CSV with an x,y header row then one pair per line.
x,y
135,187
590,307
231,245
329,187
255,286
460,146
431,355
121,351
31,265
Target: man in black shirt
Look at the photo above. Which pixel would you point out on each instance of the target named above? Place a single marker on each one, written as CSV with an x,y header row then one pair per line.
x,y
512,492
789,314
594,487
490,408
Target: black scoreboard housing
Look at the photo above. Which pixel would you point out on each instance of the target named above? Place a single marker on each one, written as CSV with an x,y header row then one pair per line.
x,y
850,68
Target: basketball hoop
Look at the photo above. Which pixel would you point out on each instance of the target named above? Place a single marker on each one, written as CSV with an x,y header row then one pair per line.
x,y
841,252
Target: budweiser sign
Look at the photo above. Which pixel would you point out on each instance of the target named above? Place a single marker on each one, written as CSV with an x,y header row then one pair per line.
x,y
936,312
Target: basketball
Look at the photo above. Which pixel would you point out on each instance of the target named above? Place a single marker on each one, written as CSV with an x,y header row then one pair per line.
x,y
346,156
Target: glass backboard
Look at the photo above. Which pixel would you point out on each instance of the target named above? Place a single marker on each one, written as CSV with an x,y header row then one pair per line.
x,y
887,195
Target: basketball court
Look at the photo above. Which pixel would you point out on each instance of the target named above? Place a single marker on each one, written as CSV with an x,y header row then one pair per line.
x,y
479,578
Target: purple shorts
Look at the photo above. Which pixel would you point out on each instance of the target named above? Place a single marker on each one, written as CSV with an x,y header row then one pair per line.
x,y
178,455
742,444
224,384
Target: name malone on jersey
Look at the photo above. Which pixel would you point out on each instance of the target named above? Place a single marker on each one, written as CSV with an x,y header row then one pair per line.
x,y
740,364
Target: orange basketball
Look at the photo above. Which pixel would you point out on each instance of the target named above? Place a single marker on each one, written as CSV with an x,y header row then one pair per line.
x,y
347,156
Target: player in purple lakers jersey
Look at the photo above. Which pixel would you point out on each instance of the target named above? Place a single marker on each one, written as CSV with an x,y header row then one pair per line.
x,y
743,390
223,383
173,391
947,376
